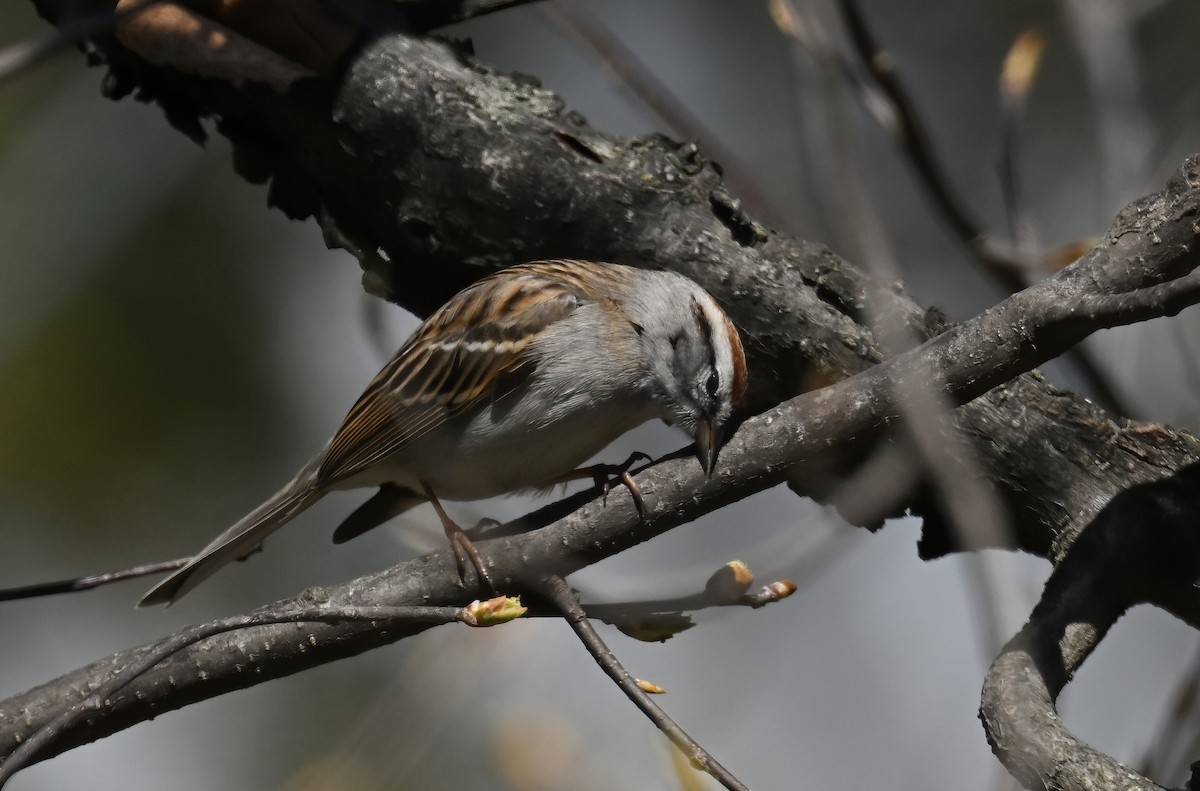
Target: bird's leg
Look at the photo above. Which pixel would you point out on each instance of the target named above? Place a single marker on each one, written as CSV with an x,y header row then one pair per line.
x,y
605,476
459,543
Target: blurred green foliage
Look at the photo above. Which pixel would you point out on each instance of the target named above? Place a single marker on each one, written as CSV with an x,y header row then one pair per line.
x,y
152,364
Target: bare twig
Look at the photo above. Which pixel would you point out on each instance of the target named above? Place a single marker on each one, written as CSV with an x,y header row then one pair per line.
x,y
909,132
657,620
555,588
613,612
23,55
1017,76
89,582
675,116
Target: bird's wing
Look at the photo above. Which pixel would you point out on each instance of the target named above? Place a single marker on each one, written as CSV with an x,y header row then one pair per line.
x,y
473,349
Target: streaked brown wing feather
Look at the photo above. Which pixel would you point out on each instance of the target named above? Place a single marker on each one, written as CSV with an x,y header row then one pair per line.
x,y
474,348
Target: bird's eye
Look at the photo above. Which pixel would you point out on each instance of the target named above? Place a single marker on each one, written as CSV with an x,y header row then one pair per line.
x,y
712,384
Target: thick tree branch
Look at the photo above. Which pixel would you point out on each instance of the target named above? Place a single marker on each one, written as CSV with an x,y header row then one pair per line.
x,y
99,696
790,441
433,170
1144,547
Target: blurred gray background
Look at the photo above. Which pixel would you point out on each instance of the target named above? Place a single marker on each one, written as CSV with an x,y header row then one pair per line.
x,y
171,351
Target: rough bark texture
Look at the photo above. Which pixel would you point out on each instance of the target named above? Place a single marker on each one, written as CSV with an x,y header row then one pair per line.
x,y
434,170
786,441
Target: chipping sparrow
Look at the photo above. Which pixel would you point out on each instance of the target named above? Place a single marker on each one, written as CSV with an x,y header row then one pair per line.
x,y
511,385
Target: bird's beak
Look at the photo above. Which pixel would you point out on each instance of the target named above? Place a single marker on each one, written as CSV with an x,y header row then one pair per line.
x,y
708,443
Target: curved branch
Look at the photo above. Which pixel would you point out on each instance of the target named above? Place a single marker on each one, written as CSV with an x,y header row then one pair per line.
x,y
1143,547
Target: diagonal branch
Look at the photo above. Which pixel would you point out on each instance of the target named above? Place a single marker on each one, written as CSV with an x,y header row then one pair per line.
x,y
790,441
433,170
556,589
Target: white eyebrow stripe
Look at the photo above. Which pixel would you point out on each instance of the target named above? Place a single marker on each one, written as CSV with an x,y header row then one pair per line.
x,y
719,340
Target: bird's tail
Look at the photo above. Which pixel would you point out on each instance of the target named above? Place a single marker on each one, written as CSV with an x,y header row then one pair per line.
x,y
240,540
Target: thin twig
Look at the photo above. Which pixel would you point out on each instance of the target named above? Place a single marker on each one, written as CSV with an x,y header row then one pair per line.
x,y
555,588
190,635
89,582
1163,299
909,131
657,97
931,450
26,54
659,620
728,586
767,594
1017,77
914,140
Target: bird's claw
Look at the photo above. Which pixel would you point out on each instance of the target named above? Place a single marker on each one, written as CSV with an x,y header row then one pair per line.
x,y
606,476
